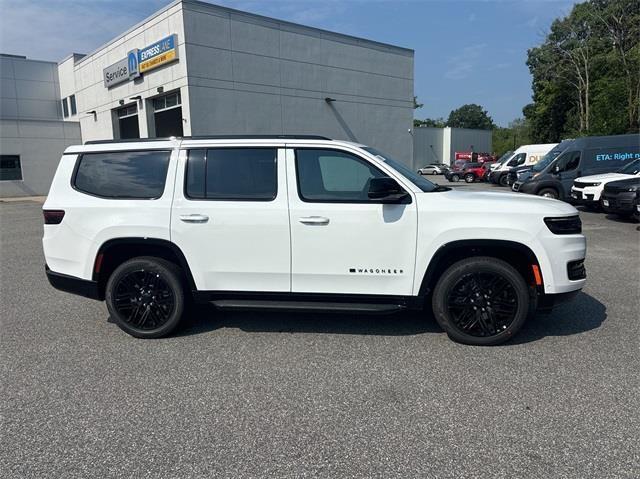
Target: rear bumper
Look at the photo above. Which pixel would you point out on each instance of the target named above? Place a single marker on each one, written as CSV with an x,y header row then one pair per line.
x,y
71,284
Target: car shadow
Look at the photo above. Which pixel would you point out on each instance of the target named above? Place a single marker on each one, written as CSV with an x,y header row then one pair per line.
x,y
583,314
205,318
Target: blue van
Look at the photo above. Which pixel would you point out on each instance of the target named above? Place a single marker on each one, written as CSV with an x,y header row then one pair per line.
x,y
591,155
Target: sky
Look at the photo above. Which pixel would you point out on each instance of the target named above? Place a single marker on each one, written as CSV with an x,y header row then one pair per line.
x,y
465,51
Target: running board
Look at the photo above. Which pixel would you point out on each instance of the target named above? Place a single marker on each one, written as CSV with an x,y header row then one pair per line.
x,y
315,306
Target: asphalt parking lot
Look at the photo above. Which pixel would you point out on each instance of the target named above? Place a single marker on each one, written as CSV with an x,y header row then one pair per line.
x,y
301,395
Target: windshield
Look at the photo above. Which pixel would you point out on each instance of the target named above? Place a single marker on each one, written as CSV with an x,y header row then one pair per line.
x,y
422,183
632,168
552,155
504,157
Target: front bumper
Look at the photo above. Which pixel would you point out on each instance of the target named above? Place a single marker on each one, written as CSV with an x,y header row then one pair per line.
x,y
582,197
71,284
624,202
529,187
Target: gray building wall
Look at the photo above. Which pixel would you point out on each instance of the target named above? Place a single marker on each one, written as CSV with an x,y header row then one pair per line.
x,y
427,146
31,123
251,74
463,139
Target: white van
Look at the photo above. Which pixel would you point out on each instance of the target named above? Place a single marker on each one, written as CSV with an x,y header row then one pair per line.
x,y
524,156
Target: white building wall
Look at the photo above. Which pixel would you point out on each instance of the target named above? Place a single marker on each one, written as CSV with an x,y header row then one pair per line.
x,y
91,94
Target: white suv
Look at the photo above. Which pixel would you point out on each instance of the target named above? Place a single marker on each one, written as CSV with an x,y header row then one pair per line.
x,y
587,190
299,223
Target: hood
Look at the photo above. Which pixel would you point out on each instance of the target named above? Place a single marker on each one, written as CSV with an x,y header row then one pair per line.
x,y
487,202
604,177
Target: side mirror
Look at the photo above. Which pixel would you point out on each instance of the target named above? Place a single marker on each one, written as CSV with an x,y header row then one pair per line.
x,y
387,190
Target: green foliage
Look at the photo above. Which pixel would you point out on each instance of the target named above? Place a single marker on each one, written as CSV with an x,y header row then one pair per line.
x,y
508,139
470,116
586,74
430,122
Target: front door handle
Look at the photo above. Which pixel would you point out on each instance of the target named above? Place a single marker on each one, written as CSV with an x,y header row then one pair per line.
x,y
195,218
314,220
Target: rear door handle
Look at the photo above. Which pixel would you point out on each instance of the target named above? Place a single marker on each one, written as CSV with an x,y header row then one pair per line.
x,y
314,220
195,218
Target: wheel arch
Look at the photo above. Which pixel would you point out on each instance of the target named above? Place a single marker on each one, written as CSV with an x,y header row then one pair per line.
x,y
517,254
114,252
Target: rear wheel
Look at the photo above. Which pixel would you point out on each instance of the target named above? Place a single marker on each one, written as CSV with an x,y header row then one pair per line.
x,y
549,193
481,301
145,297
469,178
454,177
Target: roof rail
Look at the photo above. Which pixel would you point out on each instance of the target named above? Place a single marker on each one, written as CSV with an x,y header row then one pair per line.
x,y
213,137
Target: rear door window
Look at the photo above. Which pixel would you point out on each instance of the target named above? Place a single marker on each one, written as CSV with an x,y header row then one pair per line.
x,y
240,174
123,174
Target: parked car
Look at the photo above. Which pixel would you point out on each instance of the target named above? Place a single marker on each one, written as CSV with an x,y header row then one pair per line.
x,y
496,164
622,198
298,223
523,172
591,155
466,170
474,171
433,169
587,190
523,156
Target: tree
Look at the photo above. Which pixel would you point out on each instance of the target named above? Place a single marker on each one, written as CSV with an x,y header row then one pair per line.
x,y
586,77
508,139
430,122
470,116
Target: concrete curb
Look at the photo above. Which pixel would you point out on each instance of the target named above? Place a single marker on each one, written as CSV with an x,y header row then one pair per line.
x,y
33,199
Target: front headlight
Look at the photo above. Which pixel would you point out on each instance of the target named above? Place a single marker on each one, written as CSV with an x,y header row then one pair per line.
x,y
592,184
633,188
536,175
568,225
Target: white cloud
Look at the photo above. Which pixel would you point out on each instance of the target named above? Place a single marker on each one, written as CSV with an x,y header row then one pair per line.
x,y
460,66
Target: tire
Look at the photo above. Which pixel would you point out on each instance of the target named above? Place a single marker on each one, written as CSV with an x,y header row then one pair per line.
x,y
549,193
453,301
469,178
454,178
503,181
153,313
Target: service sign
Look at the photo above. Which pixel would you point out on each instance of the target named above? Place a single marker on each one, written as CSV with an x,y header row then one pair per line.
x,y
116,73
158,54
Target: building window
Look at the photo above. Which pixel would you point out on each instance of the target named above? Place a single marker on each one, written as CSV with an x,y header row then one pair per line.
x,y
65,108
123,174
232,174
167,115
72,101
10,168
128,122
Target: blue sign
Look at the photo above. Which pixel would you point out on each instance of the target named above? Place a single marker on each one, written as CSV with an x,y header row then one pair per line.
x,y
132,62
157,54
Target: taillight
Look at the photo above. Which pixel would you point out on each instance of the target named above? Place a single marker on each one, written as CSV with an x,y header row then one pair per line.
x,y
53,217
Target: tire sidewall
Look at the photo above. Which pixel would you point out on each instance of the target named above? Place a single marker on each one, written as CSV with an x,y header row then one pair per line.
x,y
170,274
469,178
479,264
550,190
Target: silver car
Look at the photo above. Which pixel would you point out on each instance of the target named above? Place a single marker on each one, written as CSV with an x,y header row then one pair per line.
x,y
431,170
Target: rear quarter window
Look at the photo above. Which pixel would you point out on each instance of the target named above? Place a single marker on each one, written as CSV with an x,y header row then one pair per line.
x,y
123,174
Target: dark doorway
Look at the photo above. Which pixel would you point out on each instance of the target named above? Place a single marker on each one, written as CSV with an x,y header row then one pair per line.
x,y
167,115
168,122
128,122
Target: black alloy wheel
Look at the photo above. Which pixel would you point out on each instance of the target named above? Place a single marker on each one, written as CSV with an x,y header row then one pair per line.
x,y
481,301
469,178
145,297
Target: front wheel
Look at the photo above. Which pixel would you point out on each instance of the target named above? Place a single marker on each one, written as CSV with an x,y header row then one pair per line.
x,y
481,301
504,180
145,297
549,193
469,178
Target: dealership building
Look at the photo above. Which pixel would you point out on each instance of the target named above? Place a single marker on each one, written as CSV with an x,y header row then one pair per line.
x,y
194,68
